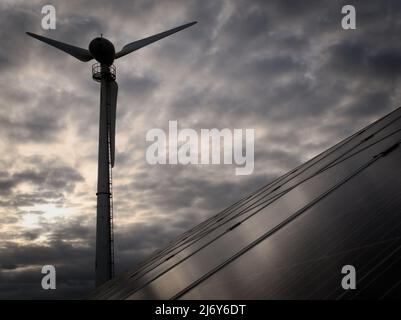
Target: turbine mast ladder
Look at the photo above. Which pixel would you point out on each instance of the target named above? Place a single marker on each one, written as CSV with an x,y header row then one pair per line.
x,y
110,188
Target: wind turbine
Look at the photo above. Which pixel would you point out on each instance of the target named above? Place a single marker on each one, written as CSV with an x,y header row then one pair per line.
x,y
102,50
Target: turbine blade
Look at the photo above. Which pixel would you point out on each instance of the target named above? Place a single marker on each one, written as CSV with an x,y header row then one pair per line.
x,y
128,48
112,116
79,53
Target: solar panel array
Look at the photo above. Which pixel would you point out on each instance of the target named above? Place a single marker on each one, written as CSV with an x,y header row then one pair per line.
x,y
291,238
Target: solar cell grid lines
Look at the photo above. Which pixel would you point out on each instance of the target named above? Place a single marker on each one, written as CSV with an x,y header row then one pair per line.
x,y
339,208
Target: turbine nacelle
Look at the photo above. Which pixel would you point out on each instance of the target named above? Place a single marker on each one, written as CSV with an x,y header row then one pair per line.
x,y
102,50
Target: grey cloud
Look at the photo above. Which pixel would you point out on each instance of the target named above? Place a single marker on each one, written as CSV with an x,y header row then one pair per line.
x,y
50,179
50,175
73,267
12,19
363,59
6,186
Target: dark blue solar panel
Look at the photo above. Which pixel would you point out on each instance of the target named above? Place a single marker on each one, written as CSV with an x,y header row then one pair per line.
x,y
290,238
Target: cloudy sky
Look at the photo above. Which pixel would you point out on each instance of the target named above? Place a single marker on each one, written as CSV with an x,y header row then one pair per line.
x,y
284,68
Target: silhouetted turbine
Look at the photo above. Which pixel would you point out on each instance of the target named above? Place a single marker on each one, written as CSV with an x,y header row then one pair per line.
x,y
102,50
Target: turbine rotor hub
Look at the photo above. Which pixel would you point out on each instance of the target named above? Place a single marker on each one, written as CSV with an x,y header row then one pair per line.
x,y
102,50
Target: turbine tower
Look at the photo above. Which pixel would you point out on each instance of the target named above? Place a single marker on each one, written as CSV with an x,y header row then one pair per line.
x,y
102,50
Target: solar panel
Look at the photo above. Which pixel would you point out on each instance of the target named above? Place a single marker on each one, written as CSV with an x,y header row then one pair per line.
x,y
291,238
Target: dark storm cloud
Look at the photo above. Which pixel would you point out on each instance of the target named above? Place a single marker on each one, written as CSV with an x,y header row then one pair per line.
x,y
22,199
6,186
186,192
69,247
13,21
50,180
73,283
50,175
365,60
368,104
134,92
75,230
35,255
39,127
39,119
30,235
138,85
73,265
